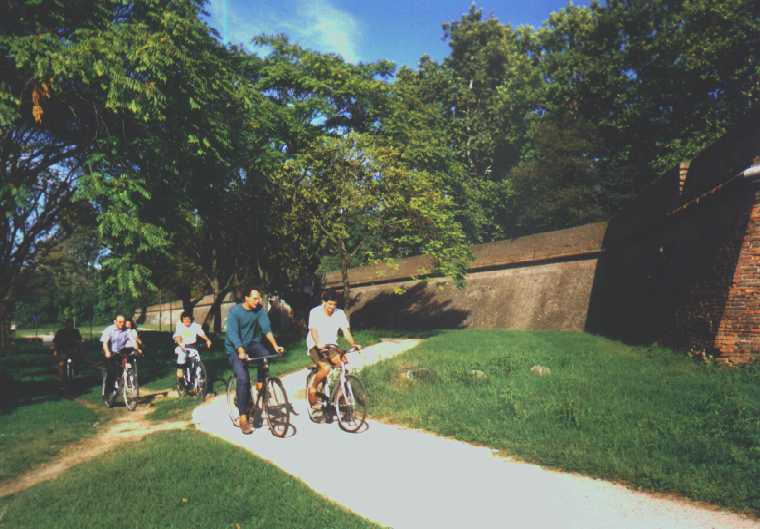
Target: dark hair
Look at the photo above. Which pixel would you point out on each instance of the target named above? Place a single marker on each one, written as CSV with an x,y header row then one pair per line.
x,y
247,289
330,295
134,325
186,314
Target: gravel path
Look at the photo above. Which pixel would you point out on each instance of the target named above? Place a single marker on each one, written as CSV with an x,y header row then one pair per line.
x,y
407,478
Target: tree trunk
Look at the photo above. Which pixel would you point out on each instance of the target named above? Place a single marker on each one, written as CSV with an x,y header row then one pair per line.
x,y
5,328
345,263
215,312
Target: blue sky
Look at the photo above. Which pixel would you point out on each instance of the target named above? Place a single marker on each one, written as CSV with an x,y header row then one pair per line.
x,y
366,30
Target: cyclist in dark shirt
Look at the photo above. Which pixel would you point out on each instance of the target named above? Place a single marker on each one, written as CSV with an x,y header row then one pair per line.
x,y
67,343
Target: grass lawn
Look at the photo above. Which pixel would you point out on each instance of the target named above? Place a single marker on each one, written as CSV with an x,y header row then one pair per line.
x,y
175,480
31,435
88,332
35,421
646,416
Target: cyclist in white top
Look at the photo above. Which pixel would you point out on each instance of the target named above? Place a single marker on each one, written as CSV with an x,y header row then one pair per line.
x,y
186,336
133,338
324,323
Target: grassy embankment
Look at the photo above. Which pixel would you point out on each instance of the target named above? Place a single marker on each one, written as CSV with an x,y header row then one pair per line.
x,y
649,417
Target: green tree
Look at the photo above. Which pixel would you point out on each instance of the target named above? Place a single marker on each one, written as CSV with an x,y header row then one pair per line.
x,y
354,195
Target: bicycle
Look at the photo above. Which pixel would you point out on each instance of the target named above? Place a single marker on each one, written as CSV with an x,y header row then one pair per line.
x,y
271,401
126,383
195,382
69,372
347,400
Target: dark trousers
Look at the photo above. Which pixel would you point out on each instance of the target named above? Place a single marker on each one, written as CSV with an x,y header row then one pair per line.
x,y
113,370
243,378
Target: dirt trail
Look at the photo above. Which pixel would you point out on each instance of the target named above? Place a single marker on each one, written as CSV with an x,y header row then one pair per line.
x,y
128,427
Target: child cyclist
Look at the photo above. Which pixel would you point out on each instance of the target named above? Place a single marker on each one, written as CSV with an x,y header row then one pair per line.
x,y
186,336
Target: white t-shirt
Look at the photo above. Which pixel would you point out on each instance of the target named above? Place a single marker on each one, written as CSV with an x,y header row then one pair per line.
x,y
189,334
132,338
326,326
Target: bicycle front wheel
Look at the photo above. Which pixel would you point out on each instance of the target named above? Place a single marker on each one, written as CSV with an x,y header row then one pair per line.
x,y
68,376
232,407
130,389
200,384
277,407
351,404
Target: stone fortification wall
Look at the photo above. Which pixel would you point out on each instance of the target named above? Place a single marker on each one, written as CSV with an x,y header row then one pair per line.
x,y
542,281
680,266
164,316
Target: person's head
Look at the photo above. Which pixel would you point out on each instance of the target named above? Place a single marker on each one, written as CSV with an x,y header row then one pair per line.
x,y
251,298
120,321
131,324
186,318
330,301
68,323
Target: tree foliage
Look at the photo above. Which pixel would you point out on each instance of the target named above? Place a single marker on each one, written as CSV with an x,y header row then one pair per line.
x,y
195,166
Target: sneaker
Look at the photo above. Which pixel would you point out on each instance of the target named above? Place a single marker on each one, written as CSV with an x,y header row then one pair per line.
x,y
316,411
245,426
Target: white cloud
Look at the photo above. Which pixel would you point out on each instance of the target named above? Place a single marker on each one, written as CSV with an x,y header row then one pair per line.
x,y
315,24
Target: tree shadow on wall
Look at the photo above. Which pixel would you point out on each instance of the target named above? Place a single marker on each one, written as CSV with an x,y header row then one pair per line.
x,y
416,308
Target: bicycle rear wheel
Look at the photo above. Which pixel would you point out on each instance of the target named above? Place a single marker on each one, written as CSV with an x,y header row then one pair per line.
x,y
277,407
351,404
232,408
130,388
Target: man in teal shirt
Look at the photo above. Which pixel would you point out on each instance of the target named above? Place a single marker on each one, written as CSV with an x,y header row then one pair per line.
x,y
247,324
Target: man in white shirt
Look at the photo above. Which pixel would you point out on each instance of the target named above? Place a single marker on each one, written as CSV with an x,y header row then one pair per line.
x,y
186,335
325,321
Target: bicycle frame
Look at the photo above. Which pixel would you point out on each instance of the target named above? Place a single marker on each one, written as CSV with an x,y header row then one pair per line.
x,y
343,372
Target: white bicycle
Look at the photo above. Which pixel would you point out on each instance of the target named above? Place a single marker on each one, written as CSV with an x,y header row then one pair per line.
x,y
341,394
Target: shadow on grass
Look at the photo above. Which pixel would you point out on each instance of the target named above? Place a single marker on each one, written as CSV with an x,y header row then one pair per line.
x,y
28,375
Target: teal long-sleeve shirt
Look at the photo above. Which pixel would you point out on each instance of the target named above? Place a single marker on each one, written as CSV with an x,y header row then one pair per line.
x,y
245,327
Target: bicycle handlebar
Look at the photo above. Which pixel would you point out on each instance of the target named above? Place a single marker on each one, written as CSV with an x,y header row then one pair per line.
x,y
251,359
329,346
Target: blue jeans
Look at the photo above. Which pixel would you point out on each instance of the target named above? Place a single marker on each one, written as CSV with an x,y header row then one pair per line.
x,y
243,378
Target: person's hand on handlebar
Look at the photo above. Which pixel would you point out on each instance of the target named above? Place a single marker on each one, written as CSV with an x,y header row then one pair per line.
x,y
279,350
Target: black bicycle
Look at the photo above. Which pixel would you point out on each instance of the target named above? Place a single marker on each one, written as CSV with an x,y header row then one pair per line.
x,y
69,372
125,384
195,382
272,401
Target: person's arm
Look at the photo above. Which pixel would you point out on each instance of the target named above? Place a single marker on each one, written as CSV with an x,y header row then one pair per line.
x,y
347,335
233,335
106,351
202,334
266,329
278,348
